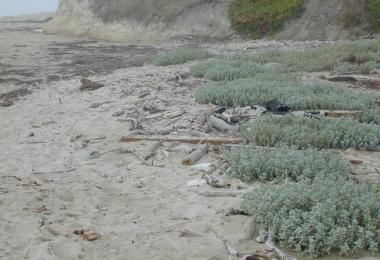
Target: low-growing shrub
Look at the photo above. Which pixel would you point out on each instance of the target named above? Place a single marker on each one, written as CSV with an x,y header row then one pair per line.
x,y
373,9
260,17
371,116
266,164
356,56
320,218
181,56
364,68
230,68
300,132
285,88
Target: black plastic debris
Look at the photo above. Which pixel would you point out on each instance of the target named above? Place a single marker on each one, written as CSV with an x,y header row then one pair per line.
x,y
275,106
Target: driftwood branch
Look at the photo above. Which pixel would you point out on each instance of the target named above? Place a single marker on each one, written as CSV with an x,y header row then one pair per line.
x,y
244,256
196,155
272,247
221,125
221,193
214,181
52,172
212,141
89,85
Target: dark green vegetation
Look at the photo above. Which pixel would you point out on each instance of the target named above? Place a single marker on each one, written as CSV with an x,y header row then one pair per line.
x,y
181,56
266,164
339,133
322,217
231,68
373,9
371,116
360,57
260,17
295,94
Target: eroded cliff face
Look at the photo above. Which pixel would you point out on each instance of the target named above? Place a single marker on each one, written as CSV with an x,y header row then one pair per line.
x,y
162,20
142,20
328,20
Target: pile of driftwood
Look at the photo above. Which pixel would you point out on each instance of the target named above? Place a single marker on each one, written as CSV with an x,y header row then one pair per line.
x,y
265,236
215,127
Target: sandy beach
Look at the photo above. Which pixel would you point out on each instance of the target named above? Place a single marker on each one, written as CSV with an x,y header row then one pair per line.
x,y
63,167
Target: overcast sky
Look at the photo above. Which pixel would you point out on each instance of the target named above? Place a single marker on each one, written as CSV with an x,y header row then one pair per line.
x,y
15,7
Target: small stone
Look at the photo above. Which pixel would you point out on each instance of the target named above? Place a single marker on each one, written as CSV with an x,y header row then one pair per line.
x,y
94,155
263,236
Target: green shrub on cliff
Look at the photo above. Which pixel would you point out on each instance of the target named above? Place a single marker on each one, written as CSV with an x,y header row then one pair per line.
x,y
360,57
260,17
373,9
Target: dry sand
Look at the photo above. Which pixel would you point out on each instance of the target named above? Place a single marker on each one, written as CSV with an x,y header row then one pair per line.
x,y
63,167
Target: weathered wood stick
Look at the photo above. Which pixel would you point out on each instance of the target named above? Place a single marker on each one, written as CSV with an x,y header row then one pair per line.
x,y
353,114
243,256
196,155
214,193
90,85
212,141
272,247
221,125
52,172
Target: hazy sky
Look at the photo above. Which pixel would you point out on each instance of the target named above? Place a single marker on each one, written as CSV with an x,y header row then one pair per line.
x,y
14,7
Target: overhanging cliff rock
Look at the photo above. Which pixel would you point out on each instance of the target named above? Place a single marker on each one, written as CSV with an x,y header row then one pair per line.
x,y
142,20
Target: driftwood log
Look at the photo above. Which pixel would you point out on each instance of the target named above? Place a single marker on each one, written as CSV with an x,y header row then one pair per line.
x,y
89,85
212,141
244,256
272,247
353,114
221,125
222,193
195,156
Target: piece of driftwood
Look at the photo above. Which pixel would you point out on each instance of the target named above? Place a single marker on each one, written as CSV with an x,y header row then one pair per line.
x,y
353,114
244,256
195,156
221,193
348,79
52,172
188,233
89,85
212,141
367,81
221,125
203,119
214,181
356,162
272,247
